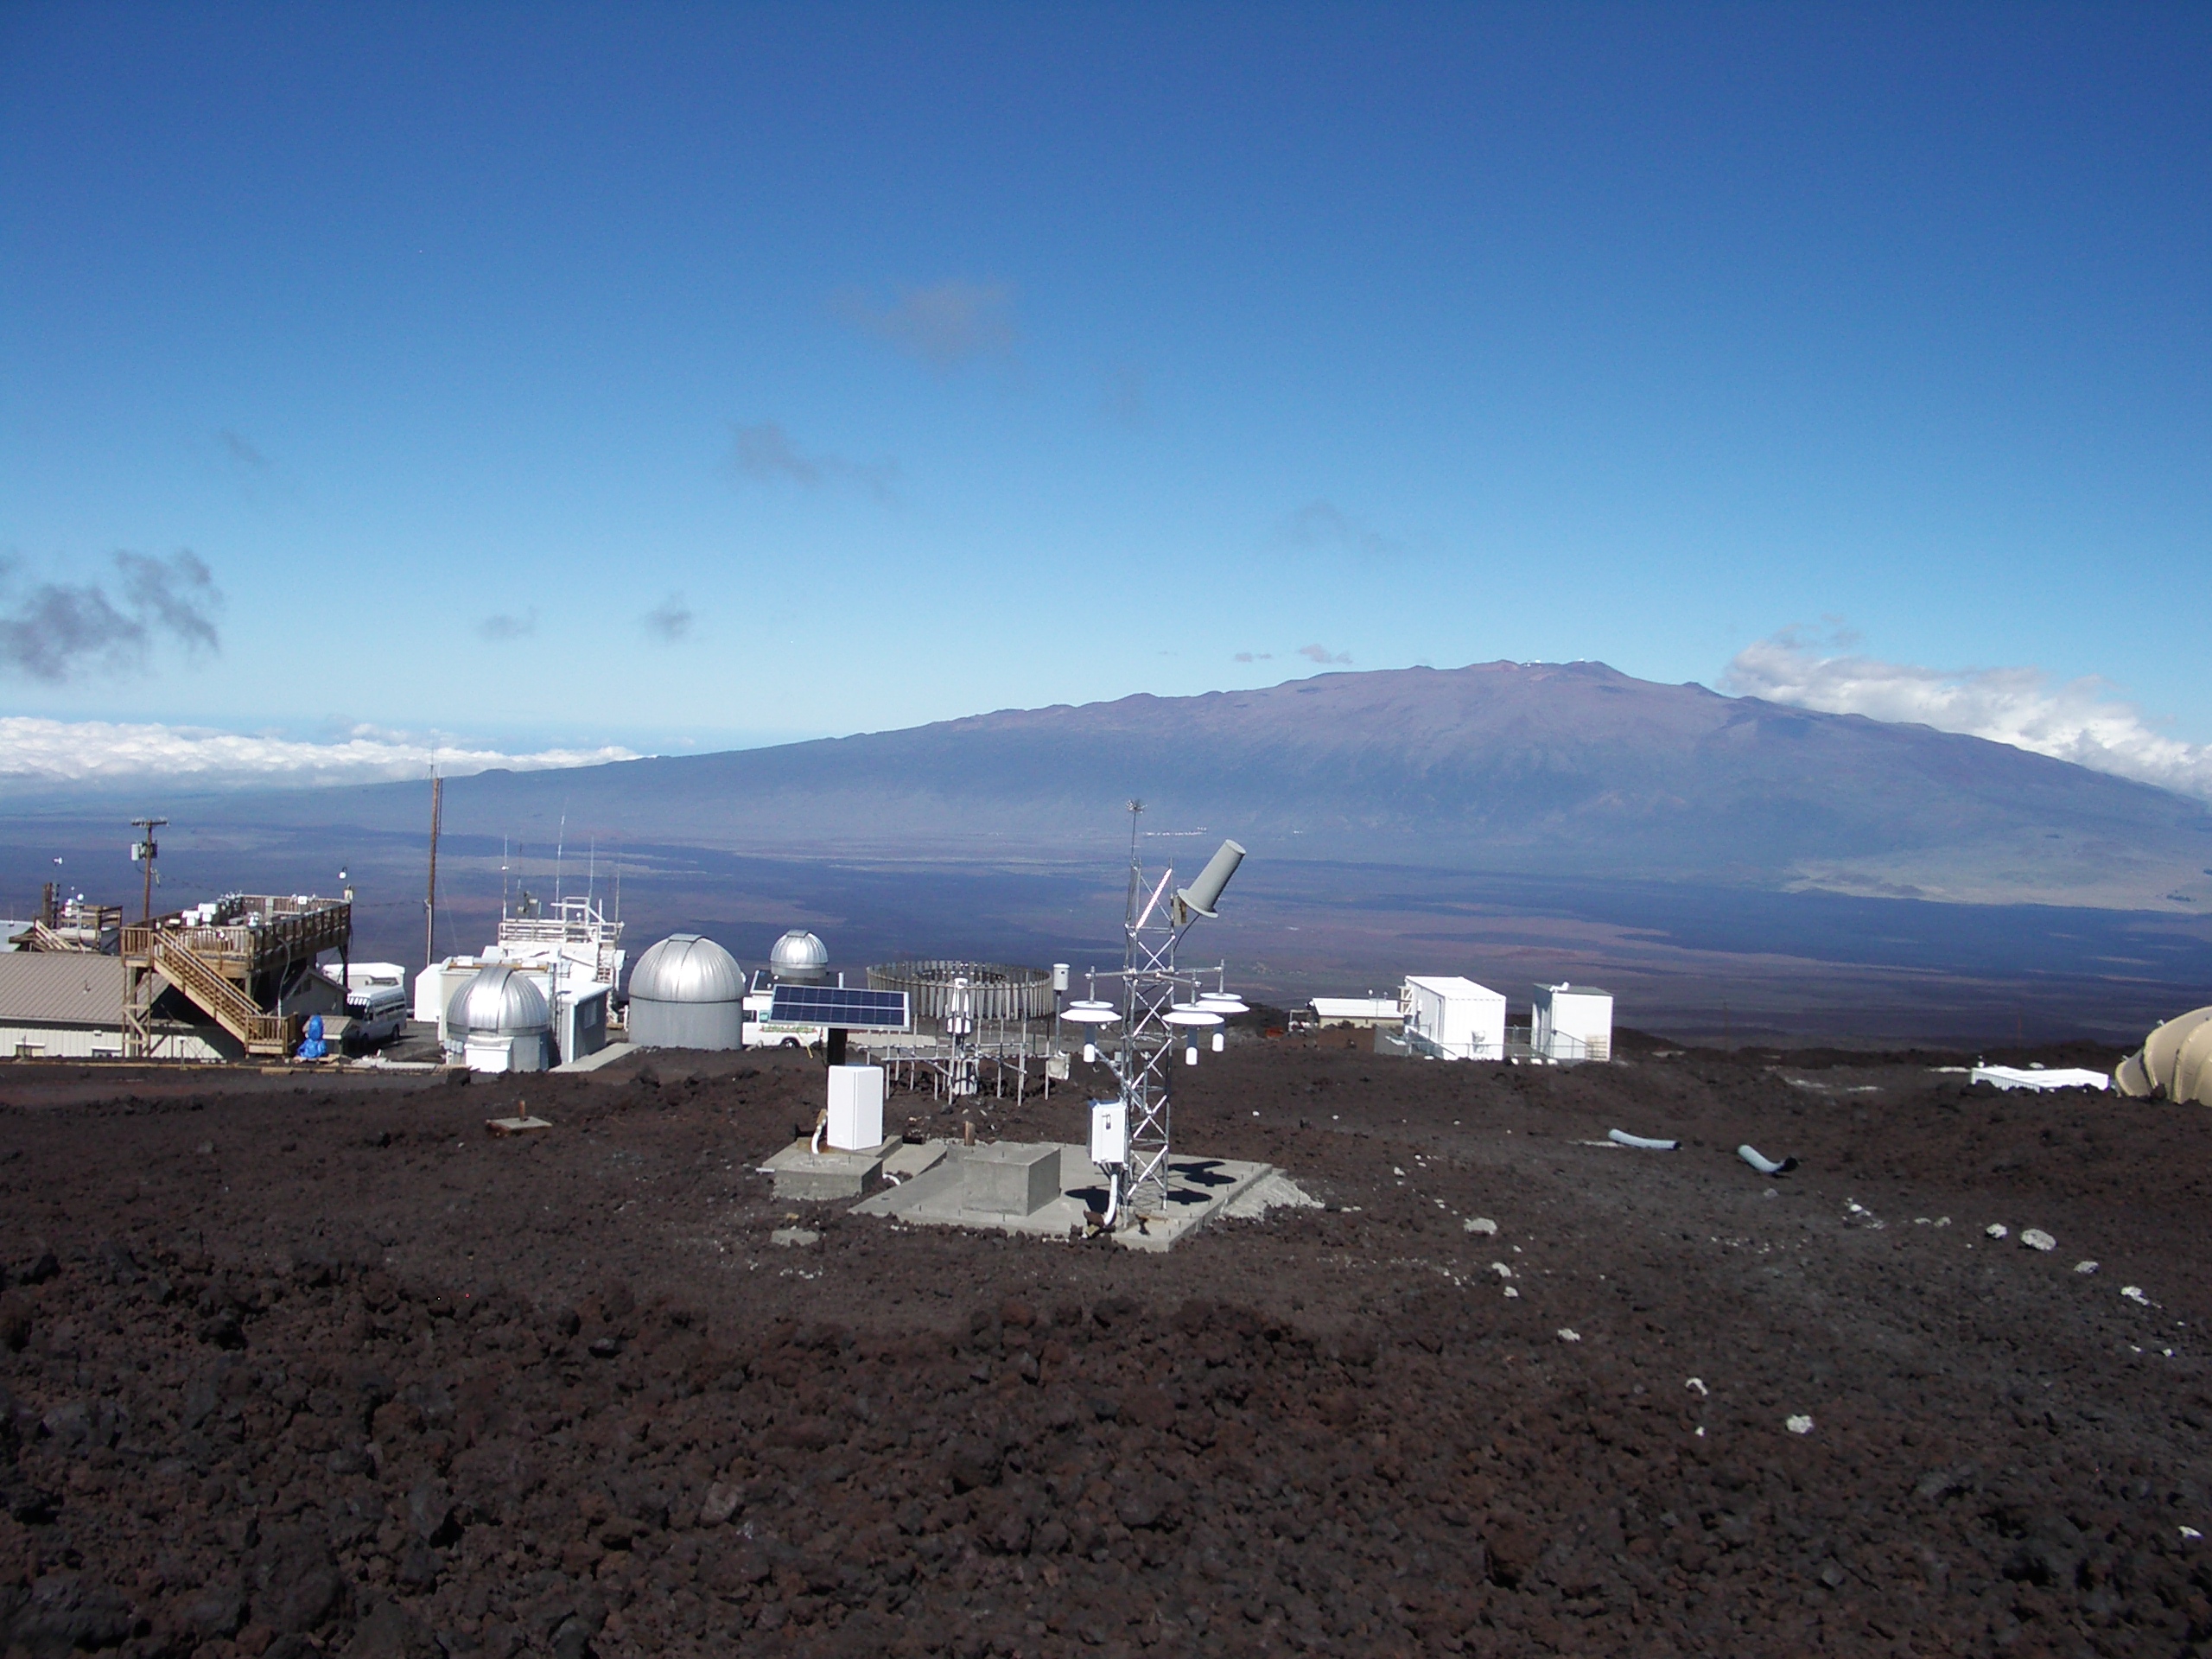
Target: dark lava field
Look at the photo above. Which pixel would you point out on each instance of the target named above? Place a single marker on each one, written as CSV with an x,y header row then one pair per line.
x,y
296,1364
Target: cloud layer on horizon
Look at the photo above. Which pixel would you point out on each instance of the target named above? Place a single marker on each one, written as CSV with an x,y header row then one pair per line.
x,y
2078,720
37,752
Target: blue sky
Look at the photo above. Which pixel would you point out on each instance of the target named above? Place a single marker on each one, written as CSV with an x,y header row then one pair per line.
x,y
664,376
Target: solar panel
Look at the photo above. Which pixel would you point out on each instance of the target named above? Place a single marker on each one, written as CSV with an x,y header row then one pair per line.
x,y
833,1004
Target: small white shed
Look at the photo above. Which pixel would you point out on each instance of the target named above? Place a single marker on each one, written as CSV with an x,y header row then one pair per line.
x,y
1572,1022
1453,1018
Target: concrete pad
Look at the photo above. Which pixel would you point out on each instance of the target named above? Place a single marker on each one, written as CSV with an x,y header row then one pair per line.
x,y
1009,1178
597,1057
813,1176
908,1158
1275,1191
1199,1189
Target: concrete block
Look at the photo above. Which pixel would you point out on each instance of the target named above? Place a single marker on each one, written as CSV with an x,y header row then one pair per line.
x,y
1009,1178
822,1178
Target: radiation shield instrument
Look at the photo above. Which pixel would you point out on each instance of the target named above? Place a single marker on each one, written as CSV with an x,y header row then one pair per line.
x,y
1190,1013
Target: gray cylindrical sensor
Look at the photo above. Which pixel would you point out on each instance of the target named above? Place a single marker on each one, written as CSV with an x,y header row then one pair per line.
x,y
1203,894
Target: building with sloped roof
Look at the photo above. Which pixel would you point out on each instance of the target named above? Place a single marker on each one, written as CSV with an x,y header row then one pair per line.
x,y
67,1005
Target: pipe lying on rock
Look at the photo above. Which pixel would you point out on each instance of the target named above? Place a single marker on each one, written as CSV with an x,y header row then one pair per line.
x,y
1624,1138
1765,1164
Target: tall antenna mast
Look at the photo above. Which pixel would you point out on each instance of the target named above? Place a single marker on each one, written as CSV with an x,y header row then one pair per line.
x,y
430,899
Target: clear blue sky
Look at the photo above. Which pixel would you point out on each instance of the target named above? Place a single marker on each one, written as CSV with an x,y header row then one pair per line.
x,y
782,370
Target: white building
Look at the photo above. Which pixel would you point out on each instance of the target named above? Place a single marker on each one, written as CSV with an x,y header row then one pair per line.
x,y
573,958
1363,1012
1452,1019
1572,1022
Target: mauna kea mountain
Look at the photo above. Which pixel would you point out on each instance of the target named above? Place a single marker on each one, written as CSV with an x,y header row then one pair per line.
x,y
1568,769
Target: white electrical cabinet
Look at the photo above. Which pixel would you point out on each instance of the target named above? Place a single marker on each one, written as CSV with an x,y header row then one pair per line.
x,y
1110,1133
855,1108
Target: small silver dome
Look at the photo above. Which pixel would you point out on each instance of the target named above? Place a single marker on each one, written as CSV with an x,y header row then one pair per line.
x,y
798,954
685,968
497,1000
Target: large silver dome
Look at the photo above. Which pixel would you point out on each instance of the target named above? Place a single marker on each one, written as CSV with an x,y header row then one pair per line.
x,y
497,1000
798,954
685,968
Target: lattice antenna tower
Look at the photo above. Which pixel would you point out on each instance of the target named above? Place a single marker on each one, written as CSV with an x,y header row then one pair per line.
x,y
1157,998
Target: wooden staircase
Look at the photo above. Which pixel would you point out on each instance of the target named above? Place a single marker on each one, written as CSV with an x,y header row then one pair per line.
x,y
39,937
219,956
230,1007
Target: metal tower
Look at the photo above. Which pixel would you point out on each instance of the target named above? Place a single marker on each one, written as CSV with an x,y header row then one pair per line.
x,y
1159,1002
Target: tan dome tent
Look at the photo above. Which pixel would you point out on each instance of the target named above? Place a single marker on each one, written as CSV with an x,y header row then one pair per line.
x,y
2174,1063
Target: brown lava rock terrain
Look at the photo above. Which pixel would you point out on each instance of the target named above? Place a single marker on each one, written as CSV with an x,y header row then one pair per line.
x,y
311,1363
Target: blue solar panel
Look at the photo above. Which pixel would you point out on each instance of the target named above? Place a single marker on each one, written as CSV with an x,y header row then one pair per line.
x,y
831,1005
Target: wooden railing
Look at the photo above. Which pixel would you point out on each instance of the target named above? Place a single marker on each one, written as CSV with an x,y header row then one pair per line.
x,y
277,940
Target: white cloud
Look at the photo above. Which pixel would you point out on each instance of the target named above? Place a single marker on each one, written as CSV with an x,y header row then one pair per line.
x,y
38,752
2078,720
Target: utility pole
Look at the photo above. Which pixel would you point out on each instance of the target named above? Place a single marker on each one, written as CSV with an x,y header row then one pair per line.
x,y
144,850
430,902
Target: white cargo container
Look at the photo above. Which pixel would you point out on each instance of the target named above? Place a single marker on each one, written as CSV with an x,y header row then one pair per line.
x,y
1453,1018
1572,1022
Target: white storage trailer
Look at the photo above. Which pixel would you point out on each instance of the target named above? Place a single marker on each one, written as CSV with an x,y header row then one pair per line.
x,y
1572,1022
1453,1018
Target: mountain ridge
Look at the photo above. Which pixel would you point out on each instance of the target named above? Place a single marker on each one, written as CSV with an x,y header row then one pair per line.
x,y
1563,768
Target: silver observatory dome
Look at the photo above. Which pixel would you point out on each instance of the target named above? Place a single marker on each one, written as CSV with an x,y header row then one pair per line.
x,y
497,1001
799,955
686,968
687,992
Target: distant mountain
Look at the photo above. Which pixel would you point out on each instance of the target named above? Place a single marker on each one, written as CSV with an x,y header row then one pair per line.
x,y
1549,768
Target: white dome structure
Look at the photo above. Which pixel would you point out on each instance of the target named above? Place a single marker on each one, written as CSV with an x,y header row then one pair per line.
x,y
798,955
497,1020
687,992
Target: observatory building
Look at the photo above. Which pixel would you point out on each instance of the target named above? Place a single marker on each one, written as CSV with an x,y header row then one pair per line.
x,y
497,1020
688,992
797,958
573,958
800,957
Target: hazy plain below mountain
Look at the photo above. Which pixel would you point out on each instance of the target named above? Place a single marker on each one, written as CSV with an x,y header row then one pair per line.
x,y
1553,769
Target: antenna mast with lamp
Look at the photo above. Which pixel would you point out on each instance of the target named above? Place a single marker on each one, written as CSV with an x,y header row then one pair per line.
x,y
1131,1135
